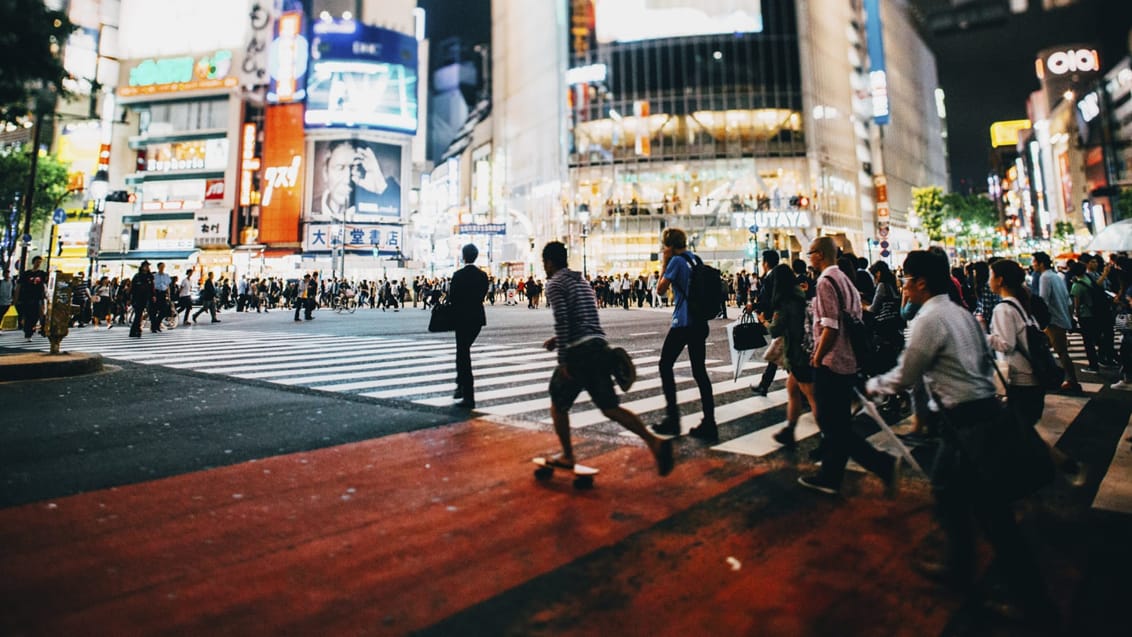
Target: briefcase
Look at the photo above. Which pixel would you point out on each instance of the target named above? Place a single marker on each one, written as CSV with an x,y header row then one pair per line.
x,y
443,319
749,334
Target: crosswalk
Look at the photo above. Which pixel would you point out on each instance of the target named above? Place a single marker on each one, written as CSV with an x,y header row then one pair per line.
x,y
511,379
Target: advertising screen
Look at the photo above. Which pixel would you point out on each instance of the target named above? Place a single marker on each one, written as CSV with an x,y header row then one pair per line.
x,y
280,205
288,56
632,20
361,76
355,180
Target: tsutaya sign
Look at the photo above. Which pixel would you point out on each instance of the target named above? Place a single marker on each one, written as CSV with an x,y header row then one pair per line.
x,y
773,219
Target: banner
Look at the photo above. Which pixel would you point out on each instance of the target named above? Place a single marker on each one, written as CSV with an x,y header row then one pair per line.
x,y
356,180
281,187
357,237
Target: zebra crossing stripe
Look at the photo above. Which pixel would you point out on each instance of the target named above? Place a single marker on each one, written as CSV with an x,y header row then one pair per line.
x,y
272,363
1115,491
761,443
405,375
592,417
519,390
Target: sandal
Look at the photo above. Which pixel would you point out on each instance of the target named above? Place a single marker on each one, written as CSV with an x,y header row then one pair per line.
x,y
559,462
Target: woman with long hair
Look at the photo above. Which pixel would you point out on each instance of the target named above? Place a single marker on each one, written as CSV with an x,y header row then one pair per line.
x,y
1024,395
788,304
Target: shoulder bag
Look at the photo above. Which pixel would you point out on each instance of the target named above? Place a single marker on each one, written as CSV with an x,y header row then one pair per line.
x,y
443,318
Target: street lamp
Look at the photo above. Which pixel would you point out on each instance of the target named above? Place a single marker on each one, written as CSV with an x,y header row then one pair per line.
x,y
125,244
99,187
585,234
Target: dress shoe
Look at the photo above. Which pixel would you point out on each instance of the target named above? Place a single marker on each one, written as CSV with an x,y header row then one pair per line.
x,y
785,437
466,404
458,394
817,484
759,391
670,426
706,431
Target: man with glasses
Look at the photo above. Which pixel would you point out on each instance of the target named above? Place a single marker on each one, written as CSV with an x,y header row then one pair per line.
x,y
835,375
947,349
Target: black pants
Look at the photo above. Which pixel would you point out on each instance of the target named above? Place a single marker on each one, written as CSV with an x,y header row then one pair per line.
x,y
833,394
208,305
960,501
135,325
768,376
694,338
29,316
1106,338
185,303
158,310
1090,332
465,382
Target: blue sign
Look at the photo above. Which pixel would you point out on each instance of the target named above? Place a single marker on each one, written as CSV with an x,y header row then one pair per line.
x,y
288,56
878,75
60,215
362,76
753,229
482,228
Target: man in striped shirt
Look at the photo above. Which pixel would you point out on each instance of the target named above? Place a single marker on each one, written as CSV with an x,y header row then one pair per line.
x,y
584,360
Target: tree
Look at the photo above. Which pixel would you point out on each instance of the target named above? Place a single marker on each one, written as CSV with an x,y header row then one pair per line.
x,y
970,210
928,205
37,34
51,179
1123,205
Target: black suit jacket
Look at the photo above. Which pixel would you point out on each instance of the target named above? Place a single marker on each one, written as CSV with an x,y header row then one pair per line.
x,y
466,293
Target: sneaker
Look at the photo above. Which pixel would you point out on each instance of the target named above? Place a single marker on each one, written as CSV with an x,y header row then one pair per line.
x,y
1124,385
1093,368
785,437
670,426
706,431
624,372
817,484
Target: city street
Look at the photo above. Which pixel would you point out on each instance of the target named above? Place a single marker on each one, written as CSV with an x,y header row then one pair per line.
x,y
262,476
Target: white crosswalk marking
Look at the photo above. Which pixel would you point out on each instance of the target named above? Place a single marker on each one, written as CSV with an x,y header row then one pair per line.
x,y
511,381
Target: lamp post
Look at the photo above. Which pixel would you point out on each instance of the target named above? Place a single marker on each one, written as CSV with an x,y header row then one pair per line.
x,y
99,186
29,194
125,244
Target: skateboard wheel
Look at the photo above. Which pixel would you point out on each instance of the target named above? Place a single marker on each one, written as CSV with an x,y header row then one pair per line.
x,y
583,482
544,473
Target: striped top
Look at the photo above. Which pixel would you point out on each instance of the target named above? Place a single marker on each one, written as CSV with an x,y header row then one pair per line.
x,y
575,310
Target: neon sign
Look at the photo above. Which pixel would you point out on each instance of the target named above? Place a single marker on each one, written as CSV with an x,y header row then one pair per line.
x,y
180,74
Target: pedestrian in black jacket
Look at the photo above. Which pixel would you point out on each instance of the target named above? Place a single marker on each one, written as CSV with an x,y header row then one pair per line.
x,y
141,296
466,293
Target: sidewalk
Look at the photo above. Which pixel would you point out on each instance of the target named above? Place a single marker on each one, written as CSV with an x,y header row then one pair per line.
x,y
152,501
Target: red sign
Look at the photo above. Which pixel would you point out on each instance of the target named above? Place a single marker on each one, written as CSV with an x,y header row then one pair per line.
x,y
213,189
282,202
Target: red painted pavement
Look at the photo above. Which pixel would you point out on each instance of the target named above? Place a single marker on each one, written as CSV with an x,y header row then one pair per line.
x,y
396,534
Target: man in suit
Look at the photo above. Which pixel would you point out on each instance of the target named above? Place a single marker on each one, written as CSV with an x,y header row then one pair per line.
x,y
466,293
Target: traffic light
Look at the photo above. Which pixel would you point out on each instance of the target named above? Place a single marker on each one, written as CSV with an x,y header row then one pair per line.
x,y
752,247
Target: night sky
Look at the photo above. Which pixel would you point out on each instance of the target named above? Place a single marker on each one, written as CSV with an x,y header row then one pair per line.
x,y
987,72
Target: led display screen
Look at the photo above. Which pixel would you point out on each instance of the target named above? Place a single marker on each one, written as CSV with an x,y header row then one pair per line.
x,y
632,20
361,76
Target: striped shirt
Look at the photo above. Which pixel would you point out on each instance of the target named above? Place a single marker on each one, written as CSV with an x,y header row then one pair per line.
x,y
575,310
947,349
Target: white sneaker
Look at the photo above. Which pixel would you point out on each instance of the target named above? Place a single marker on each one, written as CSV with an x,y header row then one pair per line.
x,y
1122,385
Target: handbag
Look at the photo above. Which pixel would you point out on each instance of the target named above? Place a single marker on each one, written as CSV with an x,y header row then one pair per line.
x,y
776,353
749,334
443,318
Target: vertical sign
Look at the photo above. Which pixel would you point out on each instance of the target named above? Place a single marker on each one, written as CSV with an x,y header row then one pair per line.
x,y
878,76
289,54
253,71
249,164
282,202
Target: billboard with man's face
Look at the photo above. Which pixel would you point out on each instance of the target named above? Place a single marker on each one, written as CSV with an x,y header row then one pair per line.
x,y
355,180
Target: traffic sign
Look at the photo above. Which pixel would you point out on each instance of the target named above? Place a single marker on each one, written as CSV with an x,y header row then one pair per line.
x,y
753,229
884,245
60,215
27,239
885,253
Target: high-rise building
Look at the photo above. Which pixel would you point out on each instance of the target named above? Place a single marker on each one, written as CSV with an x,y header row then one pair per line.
x,y
752,124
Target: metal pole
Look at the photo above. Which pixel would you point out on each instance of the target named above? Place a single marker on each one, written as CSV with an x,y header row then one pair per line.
x,y
29,196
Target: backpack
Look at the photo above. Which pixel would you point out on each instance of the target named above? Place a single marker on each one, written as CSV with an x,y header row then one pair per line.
x,y
705,290
1098,299
1039,311
1039,355
860,336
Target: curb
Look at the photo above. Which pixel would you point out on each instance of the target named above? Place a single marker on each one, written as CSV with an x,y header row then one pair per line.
x,y
38,365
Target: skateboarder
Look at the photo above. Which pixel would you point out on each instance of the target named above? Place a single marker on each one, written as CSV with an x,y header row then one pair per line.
x,y
585,361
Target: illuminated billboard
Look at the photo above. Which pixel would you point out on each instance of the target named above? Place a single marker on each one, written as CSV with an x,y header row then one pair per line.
x,y
355,180
280,206
1005,133
361,76
633,20
287,60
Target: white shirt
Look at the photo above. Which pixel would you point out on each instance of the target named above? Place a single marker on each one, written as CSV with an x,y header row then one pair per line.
x,y
1008,338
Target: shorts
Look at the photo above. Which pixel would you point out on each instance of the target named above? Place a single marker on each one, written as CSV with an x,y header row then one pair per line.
x,y
590,365
803,372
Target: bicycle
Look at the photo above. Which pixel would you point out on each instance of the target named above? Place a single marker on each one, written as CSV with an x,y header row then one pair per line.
x,y
344,303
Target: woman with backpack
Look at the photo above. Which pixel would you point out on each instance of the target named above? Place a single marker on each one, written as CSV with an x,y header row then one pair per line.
x,y
1081,294
1025,395
883,315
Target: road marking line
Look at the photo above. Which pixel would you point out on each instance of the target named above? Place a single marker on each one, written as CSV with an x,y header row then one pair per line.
x,y
1115,492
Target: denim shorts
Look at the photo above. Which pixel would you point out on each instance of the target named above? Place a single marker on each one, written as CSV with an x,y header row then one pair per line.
x,y
590,367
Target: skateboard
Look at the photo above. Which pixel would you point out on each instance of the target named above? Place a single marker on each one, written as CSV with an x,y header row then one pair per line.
x,y
583,475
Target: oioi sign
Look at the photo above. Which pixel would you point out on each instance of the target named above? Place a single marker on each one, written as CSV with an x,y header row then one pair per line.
x,y
1060,62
